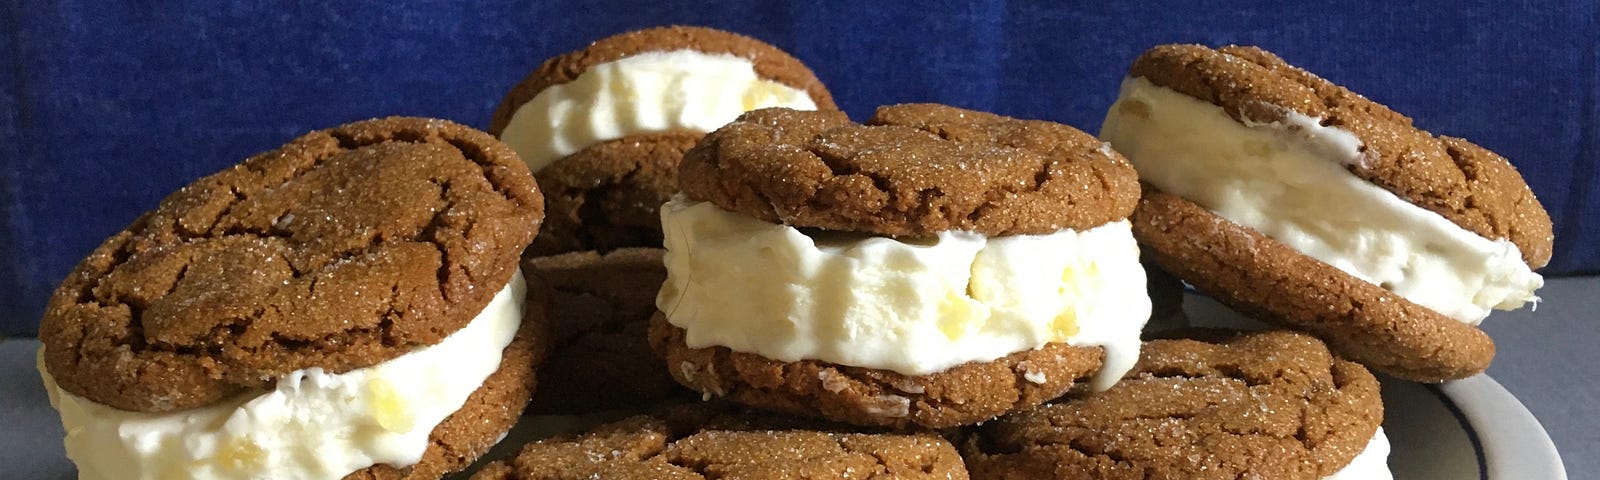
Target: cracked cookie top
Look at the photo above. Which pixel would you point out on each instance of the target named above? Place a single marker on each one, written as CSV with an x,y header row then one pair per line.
x,y
1217,405
913,170
1467,184
341,249
693,443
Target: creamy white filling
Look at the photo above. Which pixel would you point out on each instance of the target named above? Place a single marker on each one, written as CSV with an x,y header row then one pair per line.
x,y
1371,464
312,425
649,92
913,307
1288,180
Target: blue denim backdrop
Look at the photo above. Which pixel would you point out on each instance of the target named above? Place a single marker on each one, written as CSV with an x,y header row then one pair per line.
x,y
104,108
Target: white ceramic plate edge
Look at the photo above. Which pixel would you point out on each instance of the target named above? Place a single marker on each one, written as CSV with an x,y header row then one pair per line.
x,y
1514,444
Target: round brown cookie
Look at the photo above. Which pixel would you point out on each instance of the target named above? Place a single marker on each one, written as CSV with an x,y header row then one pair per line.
x,y
609,195
488,413
962,395
770,62
1246,405
742,446
913,170
601,356
1263,278
1467,184
341,249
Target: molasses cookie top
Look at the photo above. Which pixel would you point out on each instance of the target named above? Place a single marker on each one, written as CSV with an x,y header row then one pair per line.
x,y
912,170
1463,182
770,63
1218,405
341,249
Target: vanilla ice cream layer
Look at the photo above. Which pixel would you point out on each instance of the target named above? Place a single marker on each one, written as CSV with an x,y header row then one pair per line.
x,y
311,425
1288,180
1371,464
649,92
909,306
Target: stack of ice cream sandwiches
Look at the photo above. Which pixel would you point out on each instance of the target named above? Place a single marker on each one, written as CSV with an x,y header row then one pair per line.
x,y
742,282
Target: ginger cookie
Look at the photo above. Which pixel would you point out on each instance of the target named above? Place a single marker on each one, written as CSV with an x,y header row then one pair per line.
x,y
369,269
603,128
912,171
1218,405
1385,240
933,267
601,307
745,445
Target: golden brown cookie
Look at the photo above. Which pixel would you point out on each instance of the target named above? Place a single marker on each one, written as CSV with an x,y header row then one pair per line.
x,y
962,395
342,249
601,306
1467,185
606,196
912,170
1221,405
746,445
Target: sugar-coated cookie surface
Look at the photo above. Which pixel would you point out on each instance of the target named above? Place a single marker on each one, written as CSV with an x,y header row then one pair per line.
x,y
912,170
1217,405
702,443
339,250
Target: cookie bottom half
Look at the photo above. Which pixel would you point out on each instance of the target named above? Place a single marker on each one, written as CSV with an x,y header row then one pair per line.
x,y
1267,280
962,395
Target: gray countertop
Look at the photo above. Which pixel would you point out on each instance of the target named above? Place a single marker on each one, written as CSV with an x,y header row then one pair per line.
x,y
1543,359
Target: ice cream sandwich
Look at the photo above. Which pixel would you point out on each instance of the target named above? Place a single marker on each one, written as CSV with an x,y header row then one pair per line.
x,y
603,127
1298,202
348,305
934,267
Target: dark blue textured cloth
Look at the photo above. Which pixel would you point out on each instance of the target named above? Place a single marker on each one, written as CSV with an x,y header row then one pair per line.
x,y
105,108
